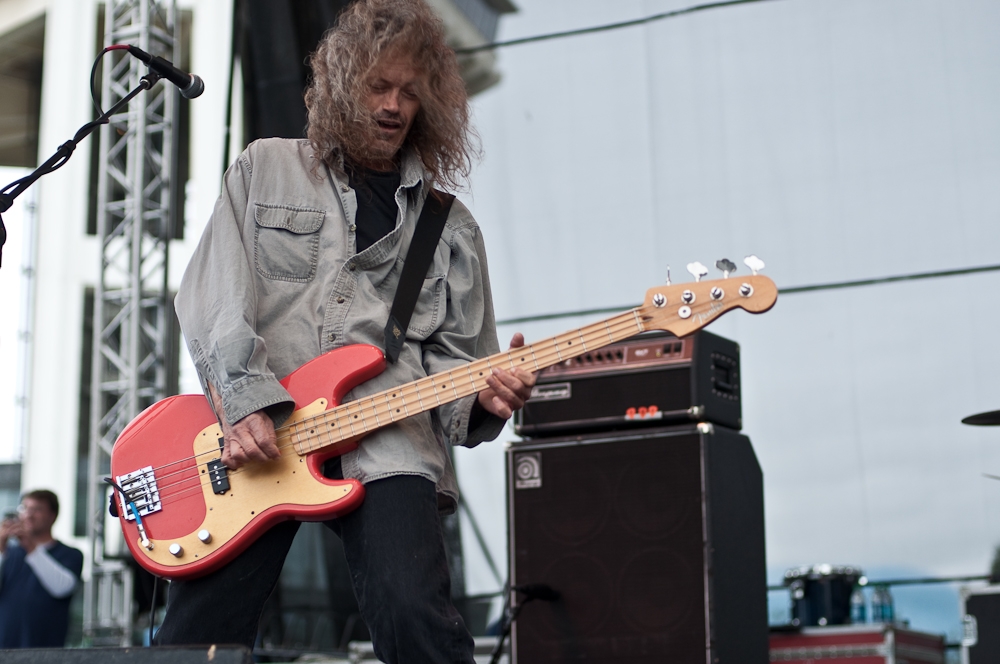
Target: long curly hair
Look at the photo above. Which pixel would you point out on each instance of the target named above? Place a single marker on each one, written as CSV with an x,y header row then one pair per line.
x,y
366,32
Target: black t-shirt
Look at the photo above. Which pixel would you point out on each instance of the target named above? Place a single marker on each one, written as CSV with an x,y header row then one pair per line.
x,y
377,209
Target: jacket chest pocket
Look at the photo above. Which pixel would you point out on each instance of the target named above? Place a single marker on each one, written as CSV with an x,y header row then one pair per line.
x,y
286,241
429,308
427,313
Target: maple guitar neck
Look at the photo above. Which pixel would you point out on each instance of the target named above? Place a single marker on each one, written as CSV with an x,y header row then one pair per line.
x,y
360,417
680,309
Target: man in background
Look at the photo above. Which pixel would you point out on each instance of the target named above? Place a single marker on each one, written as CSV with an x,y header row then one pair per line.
x,y
38,575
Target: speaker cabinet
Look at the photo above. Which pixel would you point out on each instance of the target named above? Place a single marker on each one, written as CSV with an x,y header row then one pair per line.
x,y
981,625
654,541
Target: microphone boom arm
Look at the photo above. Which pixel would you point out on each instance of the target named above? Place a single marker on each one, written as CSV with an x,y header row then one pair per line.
x,y
63,153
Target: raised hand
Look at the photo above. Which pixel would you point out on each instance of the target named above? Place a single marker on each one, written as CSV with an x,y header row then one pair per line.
x,y
508,390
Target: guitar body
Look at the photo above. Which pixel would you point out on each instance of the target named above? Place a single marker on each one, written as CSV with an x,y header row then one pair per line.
x,y
178,438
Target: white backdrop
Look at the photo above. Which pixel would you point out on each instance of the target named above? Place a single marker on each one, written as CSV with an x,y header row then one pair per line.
x,y
837,140
10,323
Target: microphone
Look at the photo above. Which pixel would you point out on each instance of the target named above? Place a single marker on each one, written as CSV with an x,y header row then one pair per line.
x,y
190,85
538,591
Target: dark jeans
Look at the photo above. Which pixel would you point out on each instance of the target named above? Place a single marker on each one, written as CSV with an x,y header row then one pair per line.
x,y
395,553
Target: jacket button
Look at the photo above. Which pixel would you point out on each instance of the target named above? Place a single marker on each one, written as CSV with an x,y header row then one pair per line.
x,y
344,188
340,300
333,337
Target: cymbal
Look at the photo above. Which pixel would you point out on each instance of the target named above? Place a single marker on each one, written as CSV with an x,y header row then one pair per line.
x,y
992,418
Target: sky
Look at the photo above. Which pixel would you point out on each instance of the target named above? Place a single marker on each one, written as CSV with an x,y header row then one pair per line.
x,y
837,140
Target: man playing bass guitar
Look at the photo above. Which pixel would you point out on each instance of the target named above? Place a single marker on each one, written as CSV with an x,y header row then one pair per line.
x,y
303,255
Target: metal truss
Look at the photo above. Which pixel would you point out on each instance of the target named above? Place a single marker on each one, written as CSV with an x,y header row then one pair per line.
x,y
132,308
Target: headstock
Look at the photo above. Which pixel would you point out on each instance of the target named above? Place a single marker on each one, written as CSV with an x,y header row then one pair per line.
x,y
684,308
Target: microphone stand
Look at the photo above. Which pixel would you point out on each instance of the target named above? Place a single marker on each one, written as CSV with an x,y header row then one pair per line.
x,y
509,616
531,592
62,155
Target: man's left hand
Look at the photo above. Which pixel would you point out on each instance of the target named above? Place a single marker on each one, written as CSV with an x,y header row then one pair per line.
x,y
508,390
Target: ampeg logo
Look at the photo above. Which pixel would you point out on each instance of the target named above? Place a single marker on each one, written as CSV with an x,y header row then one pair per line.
x,y
552,392
528,470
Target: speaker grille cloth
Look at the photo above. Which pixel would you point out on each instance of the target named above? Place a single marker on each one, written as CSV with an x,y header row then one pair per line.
x,y
616,528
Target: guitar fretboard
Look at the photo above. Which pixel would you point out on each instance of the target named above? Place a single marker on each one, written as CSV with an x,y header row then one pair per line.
x,y
357,418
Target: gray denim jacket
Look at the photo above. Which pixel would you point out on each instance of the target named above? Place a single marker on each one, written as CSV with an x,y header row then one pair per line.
x,y
275,281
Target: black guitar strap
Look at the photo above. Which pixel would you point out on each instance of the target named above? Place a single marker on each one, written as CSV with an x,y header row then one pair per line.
x,y
415,266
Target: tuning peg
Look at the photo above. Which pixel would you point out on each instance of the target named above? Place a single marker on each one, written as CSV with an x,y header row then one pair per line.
x,y
755,264
668,275
726,266
697,270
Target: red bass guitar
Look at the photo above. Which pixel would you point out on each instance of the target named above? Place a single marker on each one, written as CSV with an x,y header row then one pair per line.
x,y
184,514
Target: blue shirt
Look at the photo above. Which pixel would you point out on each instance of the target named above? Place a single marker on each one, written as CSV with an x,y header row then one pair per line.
x,y
29,616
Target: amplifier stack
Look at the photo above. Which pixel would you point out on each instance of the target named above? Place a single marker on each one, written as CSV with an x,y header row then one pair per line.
x,y
638,501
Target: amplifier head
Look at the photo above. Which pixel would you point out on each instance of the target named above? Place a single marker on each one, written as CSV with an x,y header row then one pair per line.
x,y
650,380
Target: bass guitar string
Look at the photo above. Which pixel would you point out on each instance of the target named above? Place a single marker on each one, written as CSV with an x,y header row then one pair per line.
x,y
548,358
545,357
419,387
544,353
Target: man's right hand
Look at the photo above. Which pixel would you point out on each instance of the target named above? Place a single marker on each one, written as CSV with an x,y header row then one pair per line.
x,y
249,439
10,527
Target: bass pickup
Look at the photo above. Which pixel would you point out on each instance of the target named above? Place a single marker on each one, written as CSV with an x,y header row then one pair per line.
x,y
218,475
